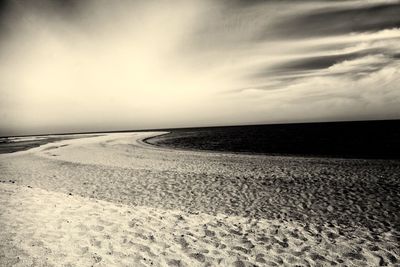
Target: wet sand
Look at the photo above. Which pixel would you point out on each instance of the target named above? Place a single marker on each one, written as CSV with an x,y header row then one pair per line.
x,y
14,144
114,200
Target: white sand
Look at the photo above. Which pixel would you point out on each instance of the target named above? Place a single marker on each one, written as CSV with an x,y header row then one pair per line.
x,y
114,201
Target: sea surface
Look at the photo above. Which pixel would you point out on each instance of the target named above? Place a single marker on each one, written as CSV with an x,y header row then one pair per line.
x,y
362,139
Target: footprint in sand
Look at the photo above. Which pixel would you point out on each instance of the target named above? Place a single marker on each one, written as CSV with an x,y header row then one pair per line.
x,y
97,228
198,256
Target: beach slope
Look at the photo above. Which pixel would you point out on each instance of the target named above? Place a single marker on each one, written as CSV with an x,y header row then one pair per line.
x,y
114,200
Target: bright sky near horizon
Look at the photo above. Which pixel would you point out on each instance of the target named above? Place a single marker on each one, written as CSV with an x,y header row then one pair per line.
x,y
70,66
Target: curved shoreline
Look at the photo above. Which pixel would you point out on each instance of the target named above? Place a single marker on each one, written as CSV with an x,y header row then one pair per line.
x,y
125,159
329,140
115,195
257,154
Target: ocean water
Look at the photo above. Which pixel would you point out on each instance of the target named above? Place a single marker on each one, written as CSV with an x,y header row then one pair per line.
x,y
367,139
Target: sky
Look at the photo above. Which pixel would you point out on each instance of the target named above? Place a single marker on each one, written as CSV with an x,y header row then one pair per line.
x,y
96,65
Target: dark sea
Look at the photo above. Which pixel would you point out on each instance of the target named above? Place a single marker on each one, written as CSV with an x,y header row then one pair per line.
x,y
360,139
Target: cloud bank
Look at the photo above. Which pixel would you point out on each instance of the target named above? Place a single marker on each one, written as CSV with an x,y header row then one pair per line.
x,y
107,65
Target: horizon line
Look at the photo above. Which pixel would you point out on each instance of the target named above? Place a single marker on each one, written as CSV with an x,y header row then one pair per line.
x,y
195,127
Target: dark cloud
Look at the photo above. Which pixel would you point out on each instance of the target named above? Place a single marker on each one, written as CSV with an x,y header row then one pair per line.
x,y
12,11
325,22
5,8
306,65
250,3
319,62
315,63
57,6
246,3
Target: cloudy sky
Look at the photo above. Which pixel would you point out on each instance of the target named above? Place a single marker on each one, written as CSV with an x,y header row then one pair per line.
x,y
93,65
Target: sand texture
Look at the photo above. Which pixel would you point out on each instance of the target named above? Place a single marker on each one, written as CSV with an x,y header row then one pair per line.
x,y
113,200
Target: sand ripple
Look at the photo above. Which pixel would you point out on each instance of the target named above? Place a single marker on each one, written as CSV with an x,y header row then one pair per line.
x,y
45,228
114,201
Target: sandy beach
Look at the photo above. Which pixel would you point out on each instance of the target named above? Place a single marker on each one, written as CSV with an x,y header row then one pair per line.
x,y
114,200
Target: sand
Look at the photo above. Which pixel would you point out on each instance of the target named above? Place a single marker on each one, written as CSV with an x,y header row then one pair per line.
x,y
14,144
114,200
